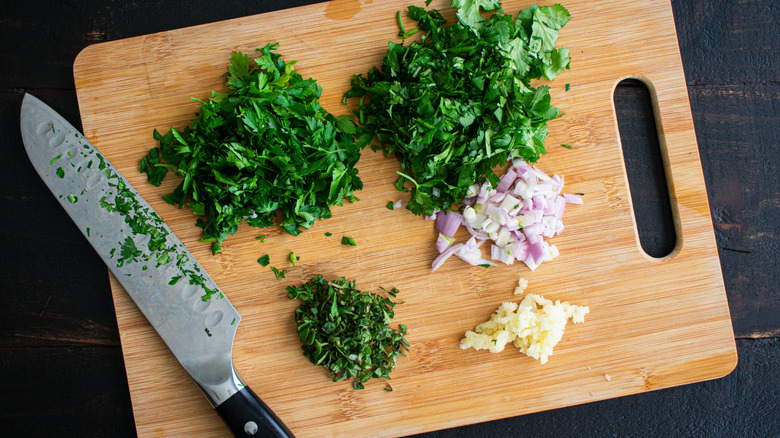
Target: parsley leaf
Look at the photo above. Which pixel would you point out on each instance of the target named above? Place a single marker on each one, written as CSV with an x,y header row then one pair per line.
x,y
264,260
348,241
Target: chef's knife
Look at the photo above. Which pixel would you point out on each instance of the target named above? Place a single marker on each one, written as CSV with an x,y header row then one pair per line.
x,y
173,291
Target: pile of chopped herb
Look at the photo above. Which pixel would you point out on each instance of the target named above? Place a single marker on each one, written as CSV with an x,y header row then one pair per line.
x,y
347,331
459,102
265,147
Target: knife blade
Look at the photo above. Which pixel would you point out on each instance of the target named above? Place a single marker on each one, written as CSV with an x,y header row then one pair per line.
x,y
173,291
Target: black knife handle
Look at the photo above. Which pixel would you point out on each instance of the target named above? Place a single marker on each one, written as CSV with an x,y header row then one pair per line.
x,y
247,416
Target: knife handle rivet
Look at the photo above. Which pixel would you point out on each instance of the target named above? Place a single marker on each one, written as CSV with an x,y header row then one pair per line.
x,y
250,427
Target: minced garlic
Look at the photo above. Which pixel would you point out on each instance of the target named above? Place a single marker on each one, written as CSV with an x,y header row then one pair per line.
x,y
535,326
522,283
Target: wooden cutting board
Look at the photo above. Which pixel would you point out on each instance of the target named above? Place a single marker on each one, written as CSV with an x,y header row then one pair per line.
x,y
653,323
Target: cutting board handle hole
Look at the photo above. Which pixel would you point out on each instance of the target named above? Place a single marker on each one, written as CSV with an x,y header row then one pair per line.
x,y
644,160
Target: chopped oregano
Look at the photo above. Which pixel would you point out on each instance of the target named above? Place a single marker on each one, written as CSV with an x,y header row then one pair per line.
x,y
347,330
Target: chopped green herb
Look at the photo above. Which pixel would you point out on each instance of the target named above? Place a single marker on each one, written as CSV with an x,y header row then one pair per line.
x,y
328,234
265,146
128,252
73,198
459,102
174,280
278,273
264,260
60,172
391,205
568,87
207,331
293,258
485,265
566,146
347,330
261,238
388,388
348,241
53,160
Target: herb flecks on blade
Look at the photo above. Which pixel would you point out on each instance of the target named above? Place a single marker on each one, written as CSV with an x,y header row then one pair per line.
x,y
460,102
347,330
264,148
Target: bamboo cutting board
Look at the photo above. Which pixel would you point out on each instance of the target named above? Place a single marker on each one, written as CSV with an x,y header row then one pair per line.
x,y
653,323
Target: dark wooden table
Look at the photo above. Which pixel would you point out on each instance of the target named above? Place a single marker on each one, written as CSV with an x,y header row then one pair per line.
x,y
61,368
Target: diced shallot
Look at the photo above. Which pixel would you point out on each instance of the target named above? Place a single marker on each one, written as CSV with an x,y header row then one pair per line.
x,y
525,207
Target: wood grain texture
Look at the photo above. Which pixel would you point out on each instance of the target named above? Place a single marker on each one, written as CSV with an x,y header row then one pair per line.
x,y
654,323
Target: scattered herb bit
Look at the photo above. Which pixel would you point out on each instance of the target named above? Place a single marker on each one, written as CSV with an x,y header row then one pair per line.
x,y
261,238
88,231
293,258
54,160
348,241
278,273
73,198
568,87
264,260
391,205
328,234
388,388
233,322
128,252
174,280
566,146
347,330
485,265
60,172
265,146
459,102
208,332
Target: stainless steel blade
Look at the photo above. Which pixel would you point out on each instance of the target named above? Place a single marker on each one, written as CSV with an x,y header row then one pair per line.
x,y
173,291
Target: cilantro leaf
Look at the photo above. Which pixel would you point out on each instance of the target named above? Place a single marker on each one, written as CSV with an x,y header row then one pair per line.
x,y
468,10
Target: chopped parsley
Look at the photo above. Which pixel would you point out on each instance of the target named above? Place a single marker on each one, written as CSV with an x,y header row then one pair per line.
x,y
264,260
348,241
265,146
279,274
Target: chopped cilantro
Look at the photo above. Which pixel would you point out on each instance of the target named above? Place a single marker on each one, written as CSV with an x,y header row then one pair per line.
x,y
459,102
